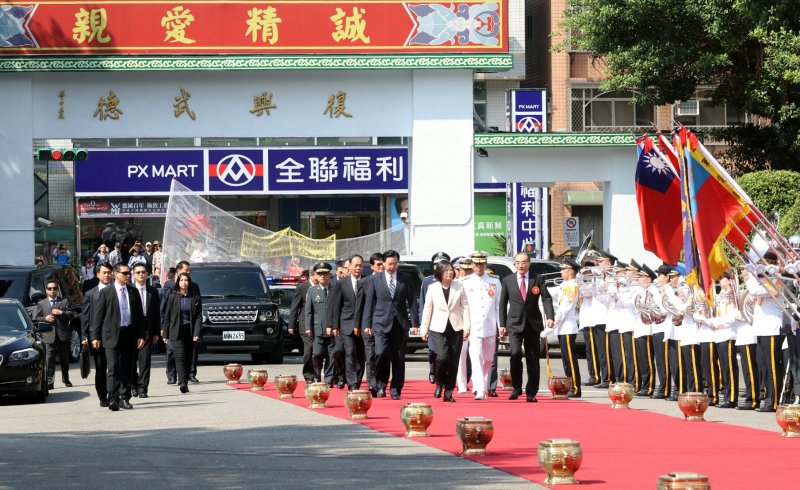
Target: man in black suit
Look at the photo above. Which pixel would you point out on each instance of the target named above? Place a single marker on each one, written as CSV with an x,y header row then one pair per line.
x,y
346,320
521,320
118,326
389,302
151,305
54,309
370,360
297,321
103,273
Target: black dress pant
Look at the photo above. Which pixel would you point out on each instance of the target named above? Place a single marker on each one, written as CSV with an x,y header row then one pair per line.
x,y
630,369
308,353
140,372
448,348
493,375
770,347
616,369
118,368
676,373
709,364
432,358
337,355
595,339
750,374
100,372
794,360
729,369
691,368
530,338
644,362
353,359
661,356
370,361
172,373
193,363
569,358
184,353
322,359
58,348
390,351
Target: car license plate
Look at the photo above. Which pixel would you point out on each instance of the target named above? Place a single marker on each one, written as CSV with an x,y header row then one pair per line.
x,y
233,335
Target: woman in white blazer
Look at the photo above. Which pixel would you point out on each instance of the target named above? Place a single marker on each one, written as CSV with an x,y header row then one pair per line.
x,y
446,317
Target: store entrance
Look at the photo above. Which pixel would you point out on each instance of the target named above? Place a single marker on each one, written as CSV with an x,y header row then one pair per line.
x,y
322,224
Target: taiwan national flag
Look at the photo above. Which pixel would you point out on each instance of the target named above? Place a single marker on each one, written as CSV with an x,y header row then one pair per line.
x,y
658,195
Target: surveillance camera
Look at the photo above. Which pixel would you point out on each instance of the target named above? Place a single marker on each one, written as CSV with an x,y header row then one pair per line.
x,y
404,217
44,222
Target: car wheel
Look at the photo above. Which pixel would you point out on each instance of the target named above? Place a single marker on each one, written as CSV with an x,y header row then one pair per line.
x,y
41,395
74,346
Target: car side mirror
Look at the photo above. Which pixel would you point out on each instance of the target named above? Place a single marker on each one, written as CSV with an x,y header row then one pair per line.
x,y
37,296
277,297
42,327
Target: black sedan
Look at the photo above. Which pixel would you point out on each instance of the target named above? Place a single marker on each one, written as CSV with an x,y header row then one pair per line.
x,y
22,358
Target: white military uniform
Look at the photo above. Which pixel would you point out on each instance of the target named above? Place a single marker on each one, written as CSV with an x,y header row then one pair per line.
x,y
565,321
483,295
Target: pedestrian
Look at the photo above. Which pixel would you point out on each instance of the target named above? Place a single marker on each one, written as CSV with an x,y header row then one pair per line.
x,y
181,324
151,308
297,323
136,257
61,255
87,270
446,321
157,258
55,310
346,319
316,324
115,257
182,266
148,257
104,275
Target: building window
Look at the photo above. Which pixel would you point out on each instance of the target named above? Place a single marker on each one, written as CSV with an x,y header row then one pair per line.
x,y
479,103
594,110
700,112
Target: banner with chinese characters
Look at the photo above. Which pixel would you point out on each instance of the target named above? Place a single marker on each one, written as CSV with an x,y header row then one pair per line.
x,y
531,220
275,27
239,171
111,208
490,223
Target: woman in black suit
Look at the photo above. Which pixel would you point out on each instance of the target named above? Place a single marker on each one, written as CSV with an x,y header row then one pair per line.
x,y
182,323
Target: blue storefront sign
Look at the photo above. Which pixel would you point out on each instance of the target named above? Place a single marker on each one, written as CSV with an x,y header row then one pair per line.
x,y
527,111
241,171
531,226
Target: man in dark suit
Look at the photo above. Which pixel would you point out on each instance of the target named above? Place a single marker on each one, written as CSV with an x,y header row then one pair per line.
x,y
317,323
389,302
370,360
118,326
151,305
521,320
104,274
54,309
297,321
346,321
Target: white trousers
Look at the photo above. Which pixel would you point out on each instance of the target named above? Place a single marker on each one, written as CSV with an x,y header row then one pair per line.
x,y
481,353
461,377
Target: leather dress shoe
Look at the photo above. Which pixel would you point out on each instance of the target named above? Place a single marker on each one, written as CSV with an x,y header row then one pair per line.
x,y
726,405
765,409
143,395
395,396
432,378
673,398
134,392
590,382
658,396
531,399
381,394
340,385
113,405
104,403
171,381
184,389
642,393
194,379
373,392
745,407
601,385
493,393
67,384
51,386
572,394
437,393
514,394
449,398
123,403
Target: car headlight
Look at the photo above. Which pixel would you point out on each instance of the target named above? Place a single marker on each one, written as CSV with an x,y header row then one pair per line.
x,y
265,315
28,354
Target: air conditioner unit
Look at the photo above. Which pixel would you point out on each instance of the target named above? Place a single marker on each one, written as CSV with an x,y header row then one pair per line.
x,y
688,107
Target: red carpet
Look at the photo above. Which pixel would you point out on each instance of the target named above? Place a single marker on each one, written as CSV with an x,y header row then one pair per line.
x,y
622,449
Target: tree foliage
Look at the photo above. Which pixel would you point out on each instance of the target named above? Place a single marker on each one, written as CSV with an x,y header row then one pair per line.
x,y
747,50
775,191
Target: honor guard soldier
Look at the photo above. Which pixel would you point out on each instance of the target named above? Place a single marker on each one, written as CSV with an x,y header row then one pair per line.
x,y
316,322
645,343
673,298
767,323
629,331
708,354
427,281
596,345
483,297
621,311
565,324
725,324
587,315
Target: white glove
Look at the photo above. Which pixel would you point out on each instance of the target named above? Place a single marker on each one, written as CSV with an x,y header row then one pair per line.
x,y
546,332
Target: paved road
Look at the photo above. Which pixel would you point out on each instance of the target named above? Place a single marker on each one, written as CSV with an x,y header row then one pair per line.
x,y
218,437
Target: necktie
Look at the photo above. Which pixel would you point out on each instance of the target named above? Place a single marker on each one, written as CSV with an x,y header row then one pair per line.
x,y
391,286
325,292
124,310
144,299
522,289
53,302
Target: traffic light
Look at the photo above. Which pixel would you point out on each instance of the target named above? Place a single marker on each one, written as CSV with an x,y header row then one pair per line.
x,y
62,154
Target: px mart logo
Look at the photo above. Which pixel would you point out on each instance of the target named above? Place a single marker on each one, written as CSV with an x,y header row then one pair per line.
x,y
236,171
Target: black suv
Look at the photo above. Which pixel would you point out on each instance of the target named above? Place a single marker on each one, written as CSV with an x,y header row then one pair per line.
x,y
240,314
27,285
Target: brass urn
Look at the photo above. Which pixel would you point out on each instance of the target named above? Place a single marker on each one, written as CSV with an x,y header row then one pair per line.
x,y
693,405
683,481
317,394
788,417
417,417
233,372
559,386
286,384
620,394
257,379
358,403
505,378
475,433
560,459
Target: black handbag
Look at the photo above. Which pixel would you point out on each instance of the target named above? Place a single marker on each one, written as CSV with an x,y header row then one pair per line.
x,y
84,360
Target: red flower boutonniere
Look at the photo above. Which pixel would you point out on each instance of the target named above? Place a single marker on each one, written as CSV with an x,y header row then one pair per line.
x,y
536,290
491,290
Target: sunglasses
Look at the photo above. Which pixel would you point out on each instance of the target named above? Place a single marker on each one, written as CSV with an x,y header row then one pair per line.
x,y
140,272
126,273
52,289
